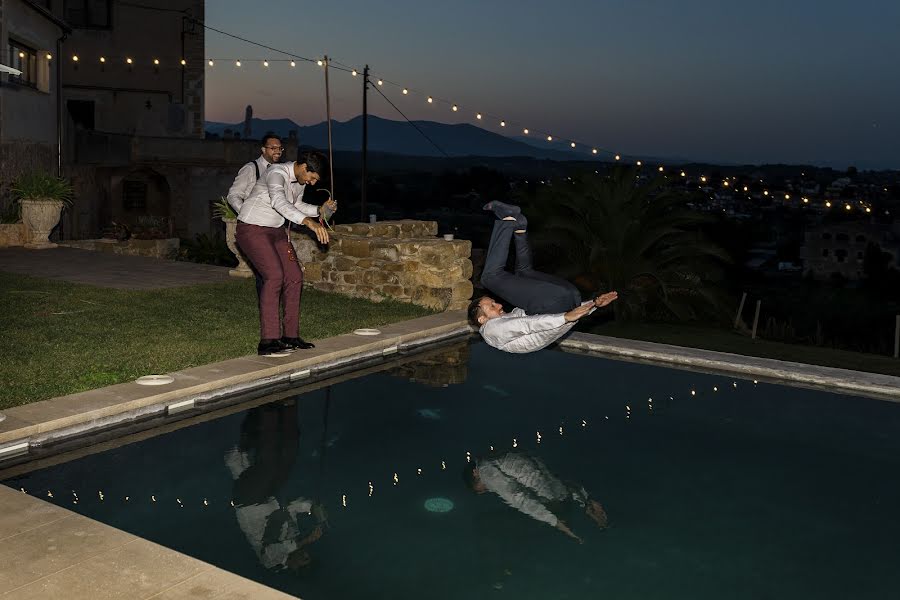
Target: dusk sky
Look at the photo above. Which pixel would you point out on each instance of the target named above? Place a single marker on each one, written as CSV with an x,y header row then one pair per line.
x,y
764,81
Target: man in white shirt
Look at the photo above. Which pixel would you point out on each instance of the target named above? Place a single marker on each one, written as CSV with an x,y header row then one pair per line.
x,y
264,241
525,483
547,306
249,174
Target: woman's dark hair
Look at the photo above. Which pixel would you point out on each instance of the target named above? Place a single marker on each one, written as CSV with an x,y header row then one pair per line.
x,y
270,136
316,162
468,475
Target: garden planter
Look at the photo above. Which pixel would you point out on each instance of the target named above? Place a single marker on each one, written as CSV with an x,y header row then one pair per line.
x,y
41,216
242,269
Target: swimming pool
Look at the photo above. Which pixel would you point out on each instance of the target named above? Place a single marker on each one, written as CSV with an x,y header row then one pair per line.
x,y
714,486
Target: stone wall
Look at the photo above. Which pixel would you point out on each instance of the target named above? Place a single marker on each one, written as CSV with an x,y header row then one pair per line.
x,y
167,248
402,260
13,235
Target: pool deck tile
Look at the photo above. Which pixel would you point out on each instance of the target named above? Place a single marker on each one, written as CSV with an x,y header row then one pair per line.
x,y
49,552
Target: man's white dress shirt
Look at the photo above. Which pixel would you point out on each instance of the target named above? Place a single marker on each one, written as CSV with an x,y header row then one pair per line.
x,y
244,182
277,197
520,333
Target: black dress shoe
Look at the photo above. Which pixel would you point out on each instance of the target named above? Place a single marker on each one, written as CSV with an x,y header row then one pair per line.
x,y
269,347
297,343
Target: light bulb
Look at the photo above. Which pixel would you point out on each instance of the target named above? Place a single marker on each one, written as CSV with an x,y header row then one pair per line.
x,y
380,82
265,63
129,61
21,55
526,131
618,157
660,169
549,138
478,116
502,123
75,58
102,59
405,91
237,63
639,163
682,173
293,64
183,62
354,72
430,99
49,56
594,151
319,62
455,108
156,61
572,144
211,62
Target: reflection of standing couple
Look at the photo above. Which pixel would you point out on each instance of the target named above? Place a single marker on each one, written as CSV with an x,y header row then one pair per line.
x,y
278,529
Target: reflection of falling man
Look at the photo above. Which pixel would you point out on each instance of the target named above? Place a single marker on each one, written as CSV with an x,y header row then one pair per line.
x,y
547,307
278,530
525,483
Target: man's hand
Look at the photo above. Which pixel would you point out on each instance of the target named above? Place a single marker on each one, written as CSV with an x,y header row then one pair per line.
x,y
328,209
565,529
320,231
605,299
578,312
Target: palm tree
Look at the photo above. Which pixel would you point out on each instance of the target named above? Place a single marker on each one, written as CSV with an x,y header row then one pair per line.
x,y
637,238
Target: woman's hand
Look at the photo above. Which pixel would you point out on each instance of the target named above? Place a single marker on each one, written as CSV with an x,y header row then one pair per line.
x,y
320,231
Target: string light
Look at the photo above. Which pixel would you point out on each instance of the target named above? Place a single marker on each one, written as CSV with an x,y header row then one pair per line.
x,y
319,62
502,123
293,64
405,91
549,138
660,169
515,443
618,157
237,63
354,73
594,151
21,55
129,60
639,163
526,131
430,99
75,58
478,116
371,489
156,61
49,56
211,63
102,59
265,63
455,108
183,62
380,82
573,145
344,500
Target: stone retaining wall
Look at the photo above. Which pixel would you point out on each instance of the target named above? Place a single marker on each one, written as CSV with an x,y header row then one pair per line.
x,y
14,234
167,248
390,259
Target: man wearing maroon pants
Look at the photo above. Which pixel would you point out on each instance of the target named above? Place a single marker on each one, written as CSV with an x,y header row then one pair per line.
x,y
264,240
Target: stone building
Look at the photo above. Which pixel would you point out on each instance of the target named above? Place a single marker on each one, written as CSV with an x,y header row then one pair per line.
x,y
841,248
30,38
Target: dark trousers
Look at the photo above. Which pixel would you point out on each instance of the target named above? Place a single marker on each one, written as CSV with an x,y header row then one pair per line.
x,y
273,257
530,290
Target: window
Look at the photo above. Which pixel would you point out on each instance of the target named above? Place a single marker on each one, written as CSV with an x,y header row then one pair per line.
x,y
134,196
24,59
88,14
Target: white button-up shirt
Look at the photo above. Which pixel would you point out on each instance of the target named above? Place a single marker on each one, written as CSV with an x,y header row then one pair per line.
x,y
520,333
277,197
244,182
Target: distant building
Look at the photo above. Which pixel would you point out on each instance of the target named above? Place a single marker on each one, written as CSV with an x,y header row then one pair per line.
x,y
841,248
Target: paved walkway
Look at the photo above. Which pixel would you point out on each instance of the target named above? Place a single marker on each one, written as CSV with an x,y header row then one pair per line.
x,y
102,269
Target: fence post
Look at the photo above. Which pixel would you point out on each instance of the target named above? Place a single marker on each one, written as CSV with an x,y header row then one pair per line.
x,y
737,317
897,338
755,320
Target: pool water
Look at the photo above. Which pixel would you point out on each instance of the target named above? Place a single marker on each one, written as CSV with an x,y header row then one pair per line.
x,y
715,487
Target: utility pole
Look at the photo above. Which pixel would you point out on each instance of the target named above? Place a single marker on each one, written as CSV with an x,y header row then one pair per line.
x,y
365,146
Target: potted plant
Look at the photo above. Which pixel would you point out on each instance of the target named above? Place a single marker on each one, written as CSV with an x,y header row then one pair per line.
x,y
42,198
223,211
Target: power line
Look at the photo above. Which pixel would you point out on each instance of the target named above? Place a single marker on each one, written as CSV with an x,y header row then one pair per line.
x,y
441,150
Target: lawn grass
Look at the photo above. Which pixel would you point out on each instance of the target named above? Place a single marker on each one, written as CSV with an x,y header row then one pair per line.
x,y
59,338
724,340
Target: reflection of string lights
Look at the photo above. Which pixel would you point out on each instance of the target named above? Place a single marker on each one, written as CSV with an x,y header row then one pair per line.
x,y
205,503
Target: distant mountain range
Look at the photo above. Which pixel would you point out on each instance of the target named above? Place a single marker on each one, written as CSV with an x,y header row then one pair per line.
x,y
399,137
